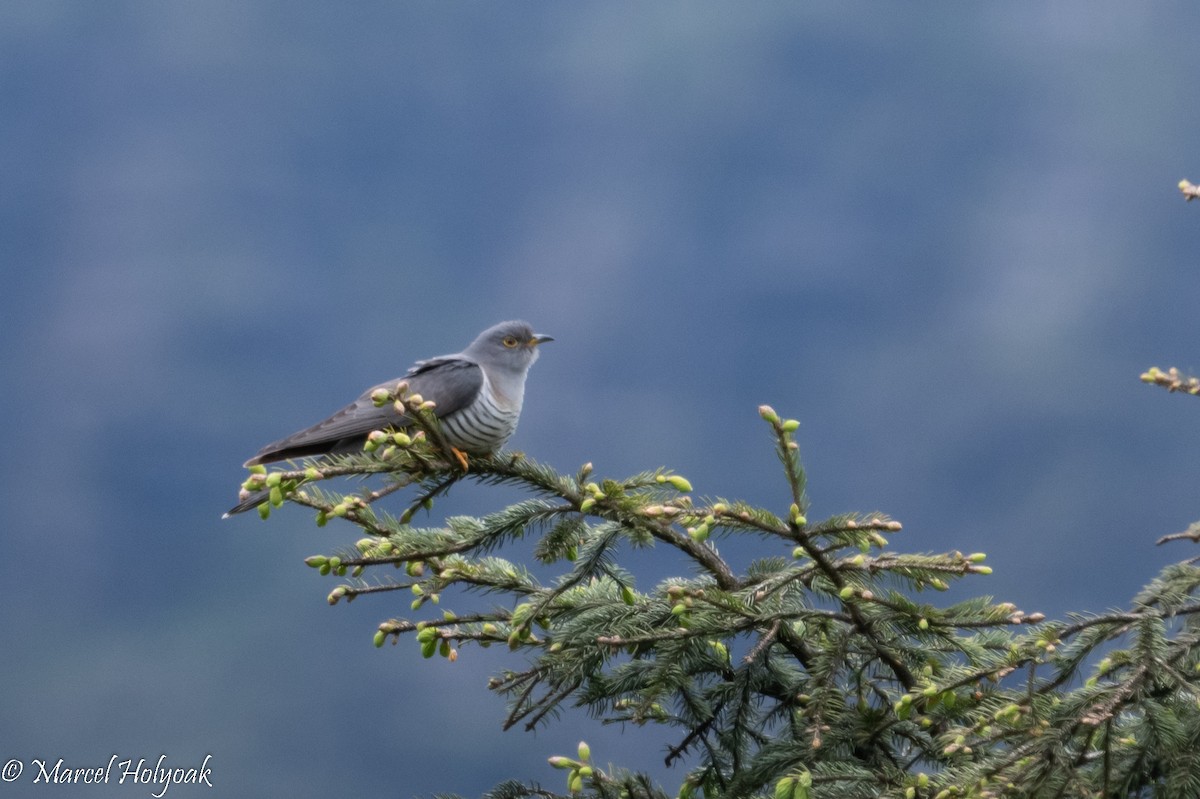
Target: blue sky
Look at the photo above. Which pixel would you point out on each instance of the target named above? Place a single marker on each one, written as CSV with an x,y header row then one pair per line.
x,y
945,238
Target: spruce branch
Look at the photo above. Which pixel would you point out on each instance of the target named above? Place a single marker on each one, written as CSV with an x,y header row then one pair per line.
x,y
822,669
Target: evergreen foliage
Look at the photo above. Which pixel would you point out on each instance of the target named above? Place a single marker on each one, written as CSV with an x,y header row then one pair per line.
x,y
824,671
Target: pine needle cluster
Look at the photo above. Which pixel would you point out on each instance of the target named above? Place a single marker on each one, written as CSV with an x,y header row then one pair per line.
x,y
826,671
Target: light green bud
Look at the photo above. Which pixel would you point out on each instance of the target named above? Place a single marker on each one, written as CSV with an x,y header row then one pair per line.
x,y
679,483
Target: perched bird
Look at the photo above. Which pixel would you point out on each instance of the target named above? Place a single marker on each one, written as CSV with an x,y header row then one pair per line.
x,y
477,396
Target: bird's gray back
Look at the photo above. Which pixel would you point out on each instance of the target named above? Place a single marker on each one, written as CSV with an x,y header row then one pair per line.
x,y
451,381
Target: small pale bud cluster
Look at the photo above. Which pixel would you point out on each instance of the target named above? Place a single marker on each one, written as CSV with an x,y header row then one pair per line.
x,y
681,604
700,532
1172,380
597,493
326,566
796,786
677,482
783,427
1020,616
721,651
347,507
577,769
275,484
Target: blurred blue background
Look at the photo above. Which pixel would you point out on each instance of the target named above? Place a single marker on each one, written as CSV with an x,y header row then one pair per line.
x,y
946,237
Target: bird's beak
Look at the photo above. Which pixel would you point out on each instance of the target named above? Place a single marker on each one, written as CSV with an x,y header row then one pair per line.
x,y
539,338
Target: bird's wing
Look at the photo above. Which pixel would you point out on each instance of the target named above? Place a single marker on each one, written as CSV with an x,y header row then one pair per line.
x,y
452,383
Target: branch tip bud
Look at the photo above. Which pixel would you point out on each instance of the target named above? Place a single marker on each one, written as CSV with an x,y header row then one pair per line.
x,y
679,483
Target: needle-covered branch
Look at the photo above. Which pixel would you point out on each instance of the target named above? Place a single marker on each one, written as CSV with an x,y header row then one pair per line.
x,y
824,669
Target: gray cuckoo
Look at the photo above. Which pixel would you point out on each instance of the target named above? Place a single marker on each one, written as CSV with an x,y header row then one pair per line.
x,y
477,396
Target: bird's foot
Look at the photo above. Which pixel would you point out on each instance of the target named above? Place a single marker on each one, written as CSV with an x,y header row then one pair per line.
x,y
461,456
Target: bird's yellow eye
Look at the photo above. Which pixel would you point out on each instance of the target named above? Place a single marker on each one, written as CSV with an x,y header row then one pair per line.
x,y
510,342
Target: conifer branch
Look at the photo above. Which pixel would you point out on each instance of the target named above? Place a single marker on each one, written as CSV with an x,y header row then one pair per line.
x,y
819,668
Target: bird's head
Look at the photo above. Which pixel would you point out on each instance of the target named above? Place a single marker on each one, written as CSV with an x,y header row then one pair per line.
x,y
508,345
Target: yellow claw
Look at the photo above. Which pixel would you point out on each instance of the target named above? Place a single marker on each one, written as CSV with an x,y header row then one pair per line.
x,y
462,457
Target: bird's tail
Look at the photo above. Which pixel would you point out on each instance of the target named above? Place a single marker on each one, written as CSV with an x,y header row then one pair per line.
x,y
252,501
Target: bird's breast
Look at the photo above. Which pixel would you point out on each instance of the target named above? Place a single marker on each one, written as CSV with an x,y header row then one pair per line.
x,y
485,425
